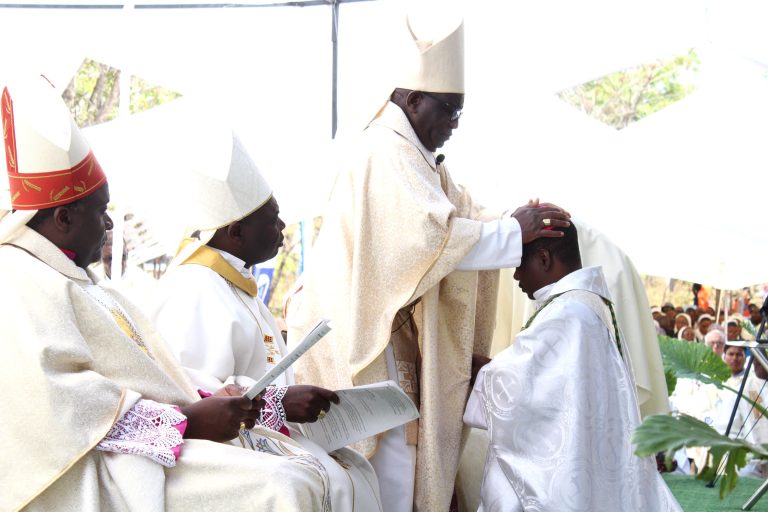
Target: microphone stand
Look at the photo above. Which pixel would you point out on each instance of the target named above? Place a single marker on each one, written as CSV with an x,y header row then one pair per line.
x,y
758,352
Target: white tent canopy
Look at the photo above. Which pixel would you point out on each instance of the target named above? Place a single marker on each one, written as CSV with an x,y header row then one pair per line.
x,y
678,191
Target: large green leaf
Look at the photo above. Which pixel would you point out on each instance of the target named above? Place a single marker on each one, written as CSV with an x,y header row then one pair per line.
x,y
693,361
669,433
671,378
683,359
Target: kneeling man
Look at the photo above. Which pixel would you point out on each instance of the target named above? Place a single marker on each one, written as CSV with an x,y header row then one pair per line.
x,y
559,404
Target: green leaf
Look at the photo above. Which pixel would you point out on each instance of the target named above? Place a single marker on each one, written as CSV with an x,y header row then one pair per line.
x,y
684,359
661,432
669,433
693,361
671,378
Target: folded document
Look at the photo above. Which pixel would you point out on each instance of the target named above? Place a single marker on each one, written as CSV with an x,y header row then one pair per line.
x,y
362,412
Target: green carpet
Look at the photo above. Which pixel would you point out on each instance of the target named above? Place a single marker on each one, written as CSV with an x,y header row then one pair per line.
x,y
694,496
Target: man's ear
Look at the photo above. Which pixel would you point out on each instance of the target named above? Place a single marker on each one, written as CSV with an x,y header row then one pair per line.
x,y
413,100
235,232
62,219
545,259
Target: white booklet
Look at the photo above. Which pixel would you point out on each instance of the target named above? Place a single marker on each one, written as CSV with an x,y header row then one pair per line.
x,y
320,329
362,411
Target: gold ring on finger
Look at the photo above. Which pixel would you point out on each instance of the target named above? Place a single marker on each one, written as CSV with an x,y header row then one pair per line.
x,y
322,414
547,222
242,426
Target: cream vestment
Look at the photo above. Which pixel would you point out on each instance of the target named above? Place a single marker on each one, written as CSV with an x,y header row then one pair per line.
x,y
384,271
560,406
70,371
221,334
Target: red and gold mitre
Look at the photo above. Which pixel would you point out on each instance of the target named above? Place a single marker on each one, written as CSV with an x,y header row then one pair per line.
x,y
48,159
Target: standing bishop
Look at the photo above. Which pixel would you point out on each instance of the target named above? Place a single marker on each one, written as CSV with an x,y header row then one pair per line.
x,y
405,264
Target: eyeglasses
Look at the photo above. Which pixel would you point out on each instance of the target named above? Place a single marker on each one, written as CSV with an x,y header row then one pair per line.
x,y
454,111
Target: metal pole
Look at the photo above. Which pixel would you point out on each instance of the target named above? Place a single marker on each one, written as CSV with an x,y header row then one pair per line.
x,y
124,110
763,360
335,72
756,496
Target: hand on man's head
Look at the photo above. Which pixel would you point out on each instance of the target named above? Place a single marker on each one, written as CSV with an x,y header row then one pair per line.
x,y
539,220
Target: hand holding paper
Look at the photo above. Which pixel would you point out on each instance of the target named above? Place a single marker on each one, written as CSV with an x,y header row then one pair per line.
x,y
318,331
363,411
304,403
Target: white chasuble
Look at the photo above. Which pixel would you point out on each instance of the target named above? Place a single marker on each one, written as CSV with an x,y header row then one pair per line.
x,y
221,335
631,304
71,370
560,406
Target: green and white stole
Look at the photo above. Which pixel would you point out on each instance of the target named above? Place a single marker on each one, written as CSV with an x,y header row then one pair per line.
x,y
605,301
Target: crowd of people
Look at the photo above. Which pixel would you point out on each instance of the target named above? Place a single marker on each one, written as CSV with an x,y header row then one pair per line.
x,y
121,406
705,401
693,323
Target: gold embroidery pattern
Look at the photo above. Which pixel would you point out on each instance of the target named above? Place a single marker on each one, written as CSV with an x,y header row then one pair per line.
x,y
57,196
273,354
9,132
125,325
27,183
406,374
47,189
128,328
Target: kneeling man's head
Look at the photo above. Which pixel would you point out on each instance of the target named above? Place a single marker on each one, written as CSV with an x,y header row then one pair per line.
x,y
547,260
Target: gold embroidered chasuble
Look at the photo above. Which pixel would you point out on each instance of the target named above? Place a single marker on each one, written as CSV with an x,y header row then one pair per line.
x,y
67,369
395,228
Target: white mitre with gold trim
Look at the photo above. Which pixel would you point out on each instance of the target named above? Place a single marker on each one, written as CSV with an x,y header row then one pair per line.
x,y
428,53
435,62
224,186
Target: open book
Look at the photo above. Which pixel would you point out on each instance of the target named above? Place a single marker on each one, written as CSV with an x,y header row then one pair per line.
x,y
362,411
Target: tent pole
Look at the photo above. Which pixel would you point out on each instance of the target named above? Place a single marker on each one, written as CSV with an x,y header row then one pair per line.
x,y
124,110
335,71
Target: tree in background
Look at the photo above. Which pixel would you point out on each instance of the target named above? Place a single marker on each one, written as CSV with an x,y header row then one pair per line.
x,y
627,96
93,97
93,94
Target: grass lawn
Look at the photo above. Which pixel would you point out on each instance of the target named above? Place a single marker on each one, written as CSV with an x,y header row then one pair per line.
x,y
694,496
